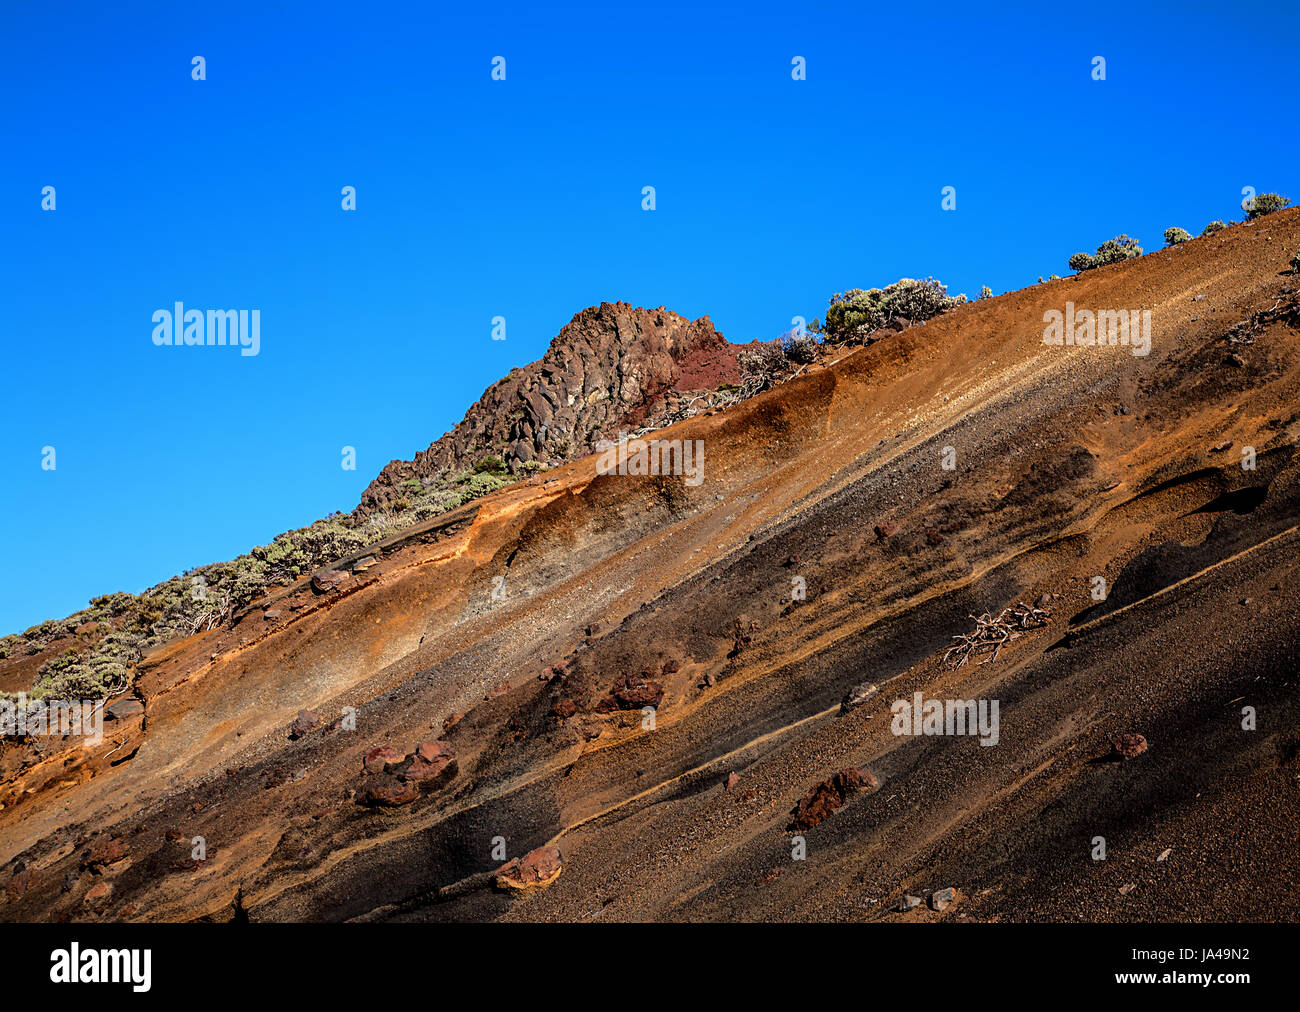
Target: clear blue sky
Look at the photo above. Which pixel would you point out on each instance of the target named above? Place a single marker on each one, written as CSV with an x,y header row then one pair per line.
x,y
522,199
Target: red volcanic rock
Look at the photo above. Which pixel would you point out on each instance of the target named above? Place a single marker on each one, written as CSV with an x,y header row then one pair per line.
x,y
671,667
1128,746
98,895
387,792
886,529
829,796
535,870
732,780
452,721
631,692
381,759
431,765
303,724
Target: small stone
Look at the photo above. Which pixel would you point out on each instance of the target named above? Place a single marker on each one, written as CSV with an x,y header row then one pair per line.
x,y
1220,447
943,899
1043,601
732,780
1165,854
909,902
1198,298
1128,746
857,695
886,529
327,580
303,724
1124,890
361,565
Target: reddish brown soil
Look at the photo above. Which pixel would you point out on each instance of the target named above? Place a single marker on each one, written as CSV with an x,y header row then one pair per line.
x,y
1072,463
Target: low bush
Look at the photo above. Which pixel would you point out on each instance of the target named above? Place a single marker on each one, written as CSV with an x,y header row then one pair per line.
x,y
1266,203
1174,236
854,314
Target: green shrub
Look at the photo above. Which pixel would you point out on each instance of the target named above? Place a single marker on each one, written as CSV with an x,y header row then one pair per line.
x,y
1112,251
985,293
1213,227
94,674
1174,236
1266,203
854,314
492,465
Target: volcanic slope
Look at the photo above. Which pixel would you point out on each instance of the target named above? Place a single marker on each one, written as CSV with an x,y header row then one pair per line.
x,y
1071,464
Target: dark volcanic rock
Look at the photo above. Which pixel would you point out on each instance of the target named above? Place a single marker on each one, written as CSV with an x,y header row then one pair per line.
x,y
612,366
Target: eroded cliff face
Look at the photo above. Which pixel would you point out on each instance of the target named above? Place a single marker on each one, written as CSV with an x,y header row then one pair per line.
x,y
613,366
354,747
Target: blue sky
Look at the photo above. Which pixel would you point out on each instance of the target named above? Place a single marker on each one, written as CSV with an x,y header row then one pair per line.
x,y
522,199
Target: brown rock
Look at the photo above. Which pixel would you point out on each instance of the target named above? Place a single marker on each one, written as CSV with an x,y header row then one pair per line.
x,y
732,779
452,721
387,792
942,899
535,870
886,529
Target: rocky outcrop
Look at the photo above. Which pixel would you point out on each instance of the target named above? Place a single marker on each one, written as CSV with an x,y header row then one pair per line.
x,y
613,366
